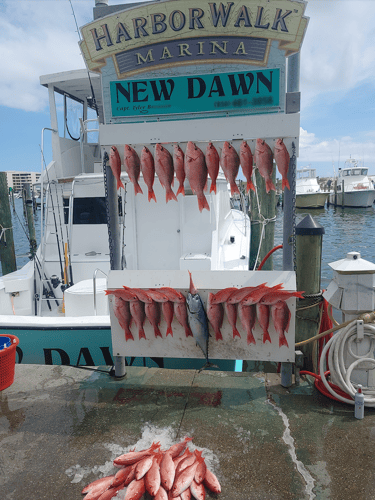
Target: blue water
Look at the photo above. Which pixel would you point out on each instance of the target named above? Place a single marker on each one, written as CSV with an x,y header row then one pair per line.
x,y
346,230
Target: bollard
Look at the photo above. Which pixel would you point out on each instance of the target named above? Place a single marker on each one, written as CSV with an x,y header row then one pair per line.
x,y
309,238
286,374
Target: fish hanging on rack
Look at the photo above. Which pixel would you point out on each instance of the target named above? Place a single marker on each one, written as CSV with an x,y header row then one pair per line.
x,y
264,163
281,319
178,165
148,171
230,163
213,164
246,159
196,173
282,160
115,164
164,170
133,167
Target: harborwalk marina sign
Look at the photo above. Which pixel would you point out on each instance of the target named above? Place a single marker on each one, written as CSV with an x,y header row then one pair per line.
x,y
181,32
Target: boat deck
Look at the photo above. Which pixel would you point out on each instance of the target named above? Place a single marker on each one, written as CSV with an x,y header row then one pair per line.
x,y
60,428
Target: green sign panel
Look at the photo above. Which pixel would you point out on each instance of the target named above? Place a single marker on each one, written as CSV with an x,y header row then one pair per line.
x,y
246,92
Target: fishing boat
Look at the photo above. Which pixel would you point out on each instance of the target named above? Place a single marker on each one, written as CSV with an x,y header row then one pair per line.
x,y
352,187
56,304
308,192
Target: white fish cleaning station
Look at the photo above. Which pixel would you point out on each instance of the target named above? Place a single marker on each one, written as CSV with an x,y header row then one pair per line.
x,y
180,72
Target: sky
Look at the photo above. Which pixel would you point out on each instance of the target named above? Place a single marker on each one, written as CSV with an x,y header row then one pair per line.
x,y
337,78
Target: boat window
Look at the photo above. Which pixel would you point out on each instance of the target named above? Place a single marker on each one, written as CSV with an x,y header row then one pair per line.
x,y
66,210
356,171
364,171
346,173
92,210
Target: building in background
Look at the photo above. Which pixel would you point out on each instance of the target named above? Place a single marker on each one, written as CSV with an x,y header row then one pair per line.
x,y
17,179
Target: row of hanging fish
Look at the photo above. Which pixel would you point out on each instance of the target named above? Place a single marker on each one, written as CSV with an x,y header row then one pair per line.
x,y
196,166
249,303
174,473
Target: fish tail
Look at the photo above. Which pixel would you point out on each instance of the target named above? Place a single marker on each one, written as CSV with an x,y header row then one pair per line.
x,y
213,186
234,189
120,184
141,333
169,331
236,333
157,332
170,196
266,337
285,184
137,188
282,340
203,203
270,186
181,190
188,332
151,195
250,338
108,292
249,186
128,335
218,334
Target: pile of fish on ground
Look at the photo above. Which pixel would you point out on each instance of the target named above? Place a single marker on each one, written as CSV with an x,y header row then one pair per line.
x,y
196,166
250,303
174,473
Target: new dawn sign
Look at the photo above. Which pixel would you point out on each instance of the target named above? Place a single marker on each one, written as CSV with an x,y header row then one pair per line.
x,y
179,57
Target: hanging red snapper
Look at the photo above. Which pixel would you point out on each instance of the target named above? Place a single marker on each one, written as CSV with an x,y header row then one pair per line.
x,y
230,163
264,162
282,160
246,159
153,314
178,165
165,171
223,295
281,319
115,164
273,297
231,310
215,315
182,317
239,295
247,316
133,167
263,315
137,310
122,312
213,164
167,308
196,173
148,171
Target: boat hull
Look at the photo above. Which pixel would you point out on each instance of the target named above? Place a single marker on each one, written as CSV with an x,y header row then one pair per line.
x,y
311,200
355,199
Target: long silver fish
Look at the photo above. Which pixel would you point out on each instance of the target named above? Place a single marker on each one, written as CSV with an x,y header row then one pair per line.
x,y
198,321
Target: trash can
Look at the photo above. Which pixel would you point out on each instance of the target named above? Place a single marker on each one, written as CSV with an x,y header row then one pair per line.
x,y
8,344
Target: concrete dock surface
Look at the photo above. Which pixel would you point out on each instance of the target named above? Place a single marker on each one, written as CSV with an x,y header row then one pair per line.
x,y
61,427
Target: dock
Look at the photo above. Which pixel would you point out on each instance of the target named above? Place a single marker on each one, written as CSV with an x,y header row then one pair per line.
x,y
61,427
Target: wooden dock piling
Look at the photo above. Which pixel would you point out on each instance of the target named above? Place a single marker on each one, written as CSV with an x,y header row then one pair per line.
x,y
7,253
28,203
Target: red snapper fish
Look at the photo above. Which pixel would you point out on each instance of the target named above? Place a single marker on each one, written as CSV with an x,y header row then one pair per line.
x,y
124,317
184,480
263,315
182,317
281,319
213,164
231,310
178,165
178,448
246,159
152,477
247,316
223,295
212,482
167,471
239,295
99,485
165,171
148,171
168,311
136,490
230,163
282,160
215,315
115,164
254,296
264,162
153,314
133,167
196,173
273,297
131,457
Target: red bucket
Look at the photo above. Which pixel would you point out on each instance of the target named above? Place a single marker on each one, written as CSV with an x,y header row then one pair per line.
x,y
8,362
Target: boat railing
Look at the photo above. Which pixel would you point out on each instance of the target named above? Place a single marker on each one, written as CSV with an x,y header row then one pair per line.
x,y
83,137
94,286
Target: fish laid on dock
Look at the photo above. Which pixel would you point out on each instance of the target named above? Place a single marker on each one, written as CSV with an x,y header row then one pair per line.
x,y
173,473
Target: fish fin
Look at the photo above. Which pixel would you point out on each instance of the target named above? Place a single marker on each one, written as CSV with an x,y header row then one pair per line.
x,y
270,186
234,189
188,332
151,195
250,338
266,336
203,203
236,333
213,187
157,332
181,190
169,331
249,186
285,184
218,334
282,340
120,184
141,333
128,335
137,188
170,196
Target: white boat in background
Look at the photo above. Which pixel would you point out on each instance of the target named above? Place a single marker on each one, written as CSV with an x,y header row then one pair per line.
x,y
56,304
308,192
353,187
